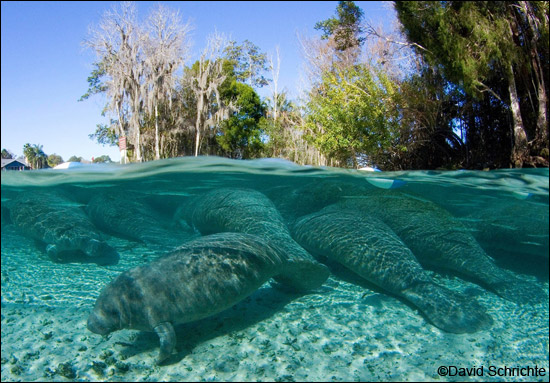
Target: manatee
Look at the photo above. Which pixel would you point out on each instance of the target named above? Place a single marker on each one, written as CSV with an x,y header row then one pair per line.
x,y
439,240
249,211
295,201
512,229
369,248
126,215
62,226
199,279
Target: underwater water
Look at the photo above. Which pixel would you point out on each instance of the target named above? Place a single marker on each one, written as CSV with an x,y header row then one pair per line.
x,y
410,276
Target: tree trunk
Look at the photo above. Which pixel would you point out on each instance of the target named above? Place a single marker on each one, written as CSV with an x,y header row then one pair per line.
x,y
157,148
198,125
124,152
541,136
520,149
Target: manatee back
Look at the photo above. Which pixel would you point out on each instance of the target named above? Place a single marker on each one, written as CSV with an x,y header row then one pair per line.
x,y
235,210
249,211
199,279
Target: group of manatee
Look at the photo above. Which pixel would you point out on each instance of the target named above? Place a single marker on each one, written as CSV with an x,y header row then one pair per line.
x,y
385,237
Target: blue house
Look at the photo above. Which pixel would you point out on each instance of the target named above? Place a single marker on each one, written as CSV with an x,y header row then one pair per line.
x,y
12,164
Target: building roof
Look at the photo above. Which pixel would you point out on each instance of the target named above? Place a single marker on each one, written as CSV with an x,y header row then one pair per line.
x,y
8,161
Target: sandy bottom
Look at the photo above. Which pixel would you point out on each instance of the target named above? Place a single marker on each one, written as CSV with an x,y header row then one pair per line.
x,y
344,331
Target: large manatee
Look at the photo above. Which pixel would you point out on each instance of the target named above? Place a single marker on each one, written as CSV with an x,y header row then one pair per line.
x,y
368,247
437,239
513,229
62,226
125,214
199,279
249,211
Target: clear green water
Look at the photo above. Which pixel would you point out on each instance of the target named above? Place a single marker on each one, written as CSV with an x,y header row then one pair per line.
x,y
349,329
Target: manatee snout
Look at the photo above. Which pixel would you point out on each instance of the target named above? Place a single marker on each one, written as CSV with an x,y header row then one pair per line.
x,y
98,324
102,253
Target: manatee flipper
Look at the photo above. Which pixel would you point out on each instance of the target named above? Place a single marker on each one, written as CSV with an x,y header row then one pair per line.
x,y
368,247
52,252
167,337
447,309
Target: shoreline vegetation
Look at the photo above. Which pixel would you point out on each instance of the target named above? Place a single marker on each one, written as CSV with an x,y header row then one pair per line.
x,y
457,85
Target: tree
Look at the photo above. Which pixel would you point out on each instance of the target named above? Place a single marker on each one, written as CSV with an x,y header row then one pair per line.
x,y
430,124
240,134
6,154
340,45
35,156
75,159
352,115
165,47
95,83
204,79
54,160
102,159
105,134
346,28
248,63
471,42
117,43
284,137
275,83
41,158
29,154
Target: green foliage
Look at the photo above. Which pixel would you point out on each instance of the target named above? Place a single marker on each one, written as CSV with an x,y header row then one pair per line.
x,y
54,160
468,39
240,134
95,83
35,156
6,154
345,28
248,63
102,159
497,54
105,134
75,159
354,113
430,123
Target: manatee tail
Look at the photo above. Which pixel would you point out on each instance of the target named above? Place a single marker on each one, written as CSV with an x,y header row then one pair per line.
x,y
302,275
101,252
448,310
299,271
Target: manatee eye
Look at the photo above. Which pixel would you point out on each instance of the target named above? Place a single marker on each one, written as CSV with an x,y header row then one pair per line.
x,y
109,311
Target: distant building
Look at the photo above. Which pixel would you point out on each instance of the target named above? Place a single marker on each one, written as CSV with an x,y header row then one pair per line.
x,y
12,164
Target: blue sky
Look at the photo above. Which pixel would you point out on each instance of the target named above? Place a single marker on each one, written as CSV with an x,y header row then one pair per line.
x,y
44,66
